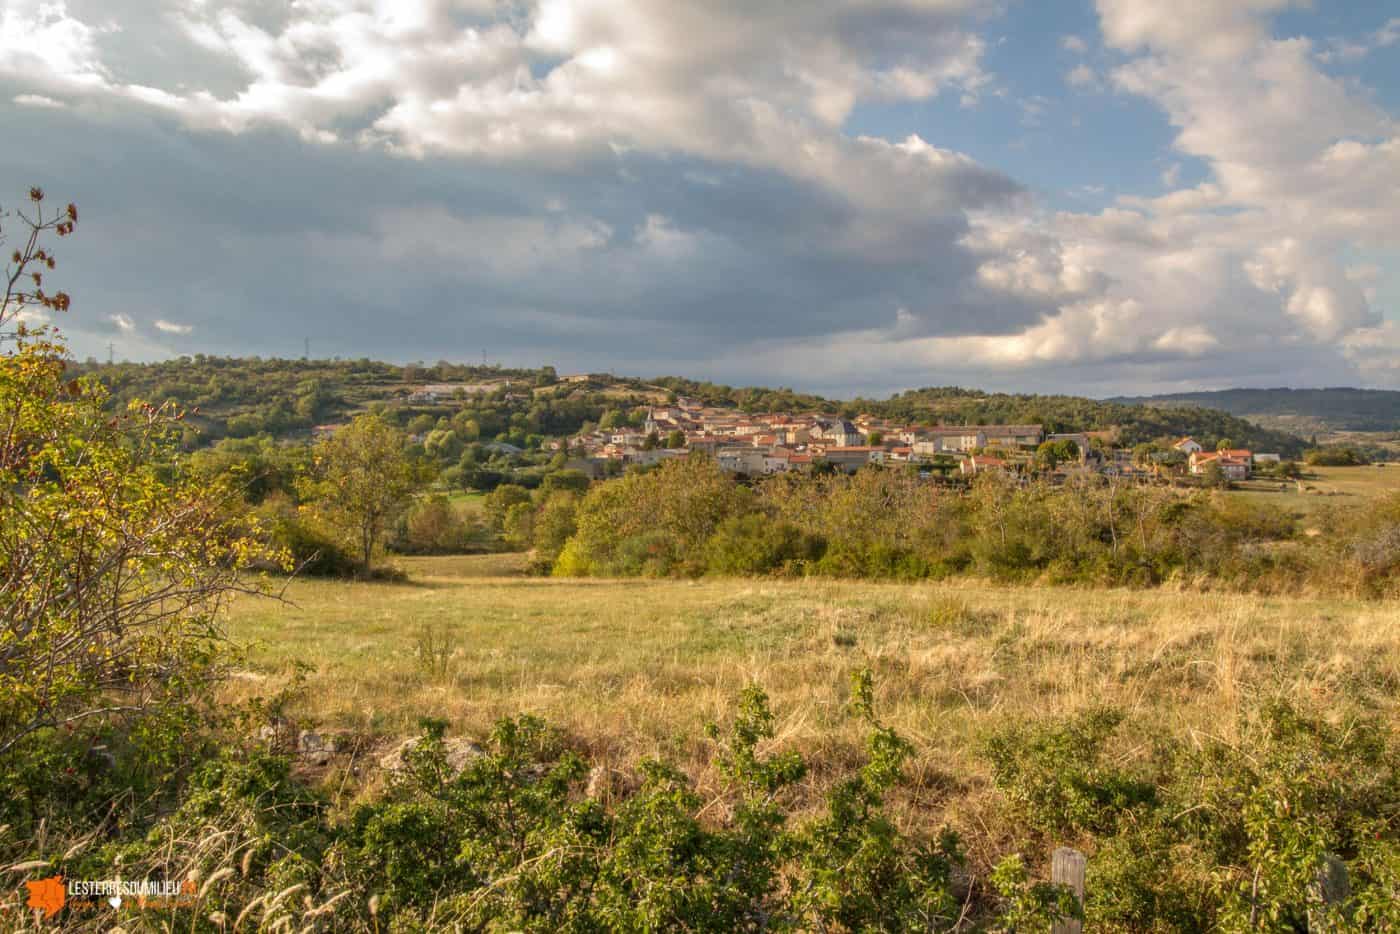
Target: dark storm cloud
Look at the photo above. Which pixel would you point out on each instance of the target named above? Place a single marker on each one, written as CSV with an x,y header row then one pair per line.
x,y
676,185
257,240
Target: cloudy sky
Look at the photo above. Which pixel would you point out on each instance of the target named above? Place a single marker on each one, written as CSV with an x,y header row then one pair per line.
x,y
1092,196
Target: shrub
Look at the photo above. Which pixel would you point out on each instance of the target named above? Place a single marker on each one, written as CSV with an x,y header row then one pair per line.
x,y
432,526
112,567
1208,835
496,504
657,521
313,549
1056,779
1199,836
1333,457
756,544
555,521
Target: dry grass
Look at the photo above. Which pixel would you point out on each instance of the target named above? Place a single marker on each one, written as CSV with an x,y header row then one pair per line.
x,y
1325,488
636,667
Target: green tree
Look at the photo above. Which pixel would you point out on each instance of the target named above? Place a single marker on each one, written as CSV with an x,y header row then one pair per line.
x,y
421,424
1213,476
443,444
361,481
497,504
652,521
676,439
574,480
518,525
1051,454
554,522
434,526
1333,457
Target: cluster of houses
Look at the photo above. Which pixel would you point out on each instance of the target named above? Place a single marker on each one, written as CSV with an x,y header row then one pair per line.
x,y
1234,463
762,444
757,444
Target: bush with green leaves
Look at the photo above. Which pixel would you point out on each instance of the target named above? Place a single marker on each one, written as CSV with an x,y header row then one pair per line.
x,y
510,842
1205,834
758,544
653,522
432,525
1181,835
516,840
687,518
1057,780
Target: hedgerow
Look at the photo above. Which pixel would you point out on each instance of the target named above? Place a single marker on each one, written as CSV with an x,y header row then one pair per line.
x,y
688,518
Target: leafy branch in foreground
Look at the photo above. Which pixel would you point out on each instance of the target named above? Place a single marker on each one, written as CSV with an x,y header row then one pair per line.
x,y
113,563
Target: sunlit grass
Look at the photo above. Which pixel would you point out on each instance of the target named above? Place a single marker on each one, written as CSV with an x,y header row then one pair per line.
x,y
1324,488
636,668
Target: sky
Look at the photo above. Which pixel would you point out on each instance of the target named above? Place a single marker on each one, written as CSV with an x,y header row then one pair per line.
x,y
843,196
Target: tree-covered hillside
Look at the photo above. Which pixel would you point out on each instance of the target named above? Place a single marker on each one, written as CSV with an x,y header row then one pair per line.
x,y
1320,410
243,397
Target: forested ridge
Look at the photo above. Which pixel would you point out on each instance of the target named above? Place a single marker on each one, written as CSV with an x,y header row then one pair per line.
x,y
1337,408
241,397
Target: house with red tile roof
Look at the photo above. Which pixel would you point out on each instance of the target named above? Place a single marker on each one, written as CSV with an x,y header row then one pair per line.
x,y
1235,464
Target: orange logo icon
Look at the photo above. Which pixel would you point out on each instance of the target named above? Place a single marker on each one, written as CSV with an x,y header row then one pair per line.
x,y
47,895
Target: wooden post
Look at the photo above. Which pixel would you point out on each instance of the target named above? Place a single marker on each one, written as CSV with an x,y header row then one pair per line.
x,y
1067,868
1328,894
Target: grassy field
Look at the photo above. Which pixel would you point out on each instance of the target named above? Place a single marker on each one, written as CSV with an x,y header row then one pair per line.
x,y
467,503
637,667
1325,488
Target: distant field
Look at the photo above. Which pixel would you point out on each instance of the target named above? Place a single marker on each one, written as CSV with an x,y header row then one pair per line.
x,y
632,668
1326,487
1386,440
466,502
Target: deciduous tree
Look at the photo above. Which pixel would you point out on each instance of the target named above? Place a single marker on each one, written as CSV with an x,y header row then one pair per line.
x,y
361,480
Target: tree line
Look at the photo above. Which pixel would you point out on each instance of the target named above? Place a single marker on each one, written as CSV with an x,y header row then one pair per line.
x,y
687,517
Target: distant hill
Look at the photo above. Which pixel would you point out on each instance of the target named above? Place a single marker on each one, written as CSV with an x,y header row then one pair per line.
x,y
1302,411
243,397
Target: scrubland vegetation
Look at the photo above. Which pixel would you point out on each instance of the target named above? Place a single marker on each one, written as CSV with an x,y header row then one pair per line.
x,y
685,702
688,518
1036,716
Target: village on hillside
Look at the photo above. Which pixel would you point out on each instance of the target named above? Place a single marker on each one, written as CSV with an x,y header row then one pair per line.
x,y
765,444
